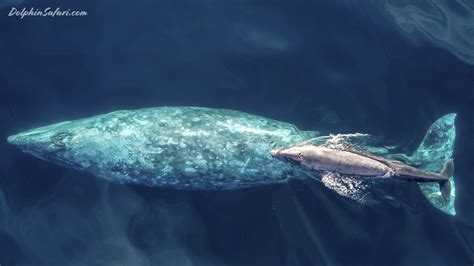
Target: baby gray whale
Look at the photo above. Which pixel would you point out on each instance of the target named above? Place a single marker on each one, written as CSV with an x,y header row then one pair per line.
x,y
195,148
356,163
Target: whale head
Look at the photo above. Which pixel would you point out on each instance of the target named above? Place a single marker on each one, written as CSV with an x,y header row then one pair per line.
x,y
56,143
293,155
48,143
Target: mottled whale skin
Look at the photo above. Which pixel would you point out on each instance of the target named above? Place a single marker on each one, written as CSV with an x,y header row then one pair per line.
x,y
177,147
207,149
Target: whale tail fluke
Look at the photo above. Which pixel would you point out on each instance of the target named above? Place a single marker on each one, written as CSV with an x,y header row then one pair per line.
x,y
434,154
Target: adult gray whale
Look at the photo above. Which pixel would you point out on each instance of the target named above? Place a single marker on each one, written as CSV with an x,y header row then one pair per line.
x,y
178,147
197,148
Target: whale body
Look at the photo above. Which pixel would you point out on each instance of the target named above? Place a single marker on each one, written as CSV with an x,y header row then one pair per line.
x,y
178,147
205,149
321,159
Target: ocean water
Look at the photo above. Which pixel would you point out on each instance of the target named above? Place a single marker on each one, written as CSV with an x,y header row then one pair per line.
x,y
386,68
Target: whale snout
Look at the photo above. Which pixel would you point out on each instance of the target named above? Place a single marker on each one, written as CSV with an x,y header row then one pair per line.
x,y
291,155
13,140
42,142
24,139
275,152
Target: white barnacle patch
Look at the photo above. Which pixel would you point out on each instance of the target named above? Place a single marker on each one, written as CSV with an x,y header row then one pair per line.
x,y
193,133
228,146
157,150
201,162
142,122
128,131
171,142
166,169
189,170
244,128
84,164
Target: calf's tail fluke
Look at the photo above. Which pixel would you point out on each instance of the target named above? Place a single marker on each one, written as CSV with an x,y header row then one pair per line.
x,y
445,186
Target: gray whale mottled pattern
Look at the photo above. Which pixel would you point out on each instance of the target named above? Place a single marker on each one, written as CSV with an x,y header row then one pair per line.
x,y
179,147
203,149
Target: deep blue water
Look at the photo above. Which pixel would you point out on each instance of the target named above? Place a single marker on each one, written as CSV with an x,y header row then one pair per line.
x,y
386,68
